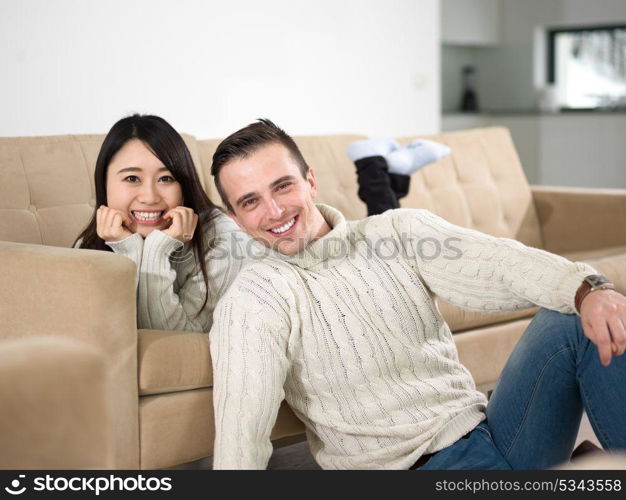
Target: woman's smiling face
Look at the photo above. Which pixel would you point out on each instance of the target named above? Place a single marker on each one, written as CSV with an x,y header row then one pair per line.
x,y
140,185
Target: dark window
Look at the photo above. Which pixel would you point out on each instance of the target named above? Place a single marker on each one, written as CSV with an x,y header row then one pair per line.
x,y
587,66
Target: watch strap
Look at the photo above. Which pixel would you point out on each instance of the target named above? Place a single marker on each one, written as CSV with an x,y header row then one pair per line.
x,y
586,288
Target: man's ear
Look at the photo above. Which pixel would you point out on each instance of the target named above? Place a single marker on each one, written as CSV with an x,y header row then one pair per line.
x,y
310,178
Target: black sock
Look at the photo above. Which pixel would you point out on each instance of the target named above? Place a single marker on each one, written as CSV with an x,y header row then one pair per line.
x,y
400,184
375,185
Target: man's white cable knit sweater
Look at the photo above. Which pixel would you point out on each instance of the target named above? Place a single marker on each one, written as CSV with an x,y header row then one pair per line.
x,y
348,332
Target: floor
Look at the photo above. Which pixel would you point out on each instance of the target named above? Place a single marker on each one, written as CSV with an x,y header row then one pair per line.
x,y
298,457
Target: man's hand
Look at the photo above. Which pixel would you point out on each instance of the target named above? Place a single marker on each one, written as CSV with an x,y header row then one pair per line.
x,y
184,222
112,224
603,316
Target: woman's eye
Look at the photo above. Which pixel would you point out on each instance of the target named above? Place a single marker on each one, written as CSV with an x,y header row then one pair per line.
x,y
167,178
131,178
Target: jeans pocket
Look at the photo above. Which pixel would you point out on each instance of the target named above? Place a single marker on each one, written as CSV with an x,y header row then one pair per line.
x,y
484,428
484,434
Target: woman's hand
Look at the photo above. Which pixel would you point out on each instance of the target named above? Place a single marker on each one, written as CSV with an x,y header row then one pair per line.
x,y
111,224
184,222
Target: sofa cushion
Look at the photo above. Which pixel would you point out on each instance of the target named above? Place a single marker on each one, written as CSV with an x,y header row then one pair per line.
x,y
173,361
609,261
54,405
175,428
178,428
47,192
206,148
179,361
459,319
480,185
484,351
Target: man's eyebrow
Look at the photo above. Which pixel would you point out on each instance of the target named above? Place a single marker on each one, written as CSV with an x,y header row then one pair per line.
x,y
138,169
281,180
244,197
278,181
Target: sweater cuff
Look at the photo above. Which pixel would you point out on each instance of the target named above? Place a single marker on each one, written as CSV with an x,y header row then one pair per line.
x,y
127,246
572,282
160,242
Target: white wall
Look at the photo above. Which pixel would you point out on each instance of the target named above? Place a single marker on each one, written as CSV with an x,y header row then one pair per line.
x,y
210,67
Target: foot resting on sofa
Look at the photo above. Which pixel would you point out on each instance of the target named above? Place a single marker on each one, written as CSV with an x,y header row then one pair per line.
x,y
384,168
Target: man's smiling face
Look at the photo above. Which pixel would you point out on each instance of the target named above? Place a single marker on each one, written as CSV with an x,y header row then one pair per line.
x,y
271,200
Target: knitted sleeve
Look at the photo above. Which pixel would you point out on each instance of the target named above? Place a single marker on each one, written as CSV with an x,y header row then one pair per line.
x,y
248,343
476,271
171,288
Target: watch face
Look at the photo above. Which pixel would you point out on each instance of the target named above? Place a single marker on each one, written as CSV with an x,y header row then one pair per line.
x,y
596,280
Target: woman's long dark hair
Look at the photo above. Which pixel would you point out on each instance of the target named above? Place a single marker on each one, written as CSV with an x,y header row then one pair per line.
x,y
169,147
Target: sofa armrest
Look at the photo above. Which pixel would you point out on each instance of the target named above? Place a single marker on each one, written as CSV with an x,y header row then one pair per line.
x,y
576,219
54,409
85,295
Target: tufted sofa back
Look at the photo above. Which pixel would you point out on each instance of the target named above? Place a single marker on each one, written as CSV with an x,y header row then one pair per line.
x,y
481,185
47,193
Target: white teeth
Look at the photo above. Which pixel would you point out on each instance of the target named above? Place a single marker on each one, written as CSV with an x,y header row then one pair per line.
x,y
147,216
284,228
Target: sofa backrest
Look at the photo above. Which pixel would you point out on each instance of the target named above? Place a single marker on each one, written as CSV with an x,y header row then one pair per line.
x,y
481,185
47,193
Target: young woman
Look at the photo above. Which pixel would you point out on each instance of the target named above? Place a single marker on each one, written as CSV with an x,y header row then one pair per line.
x,y
153,210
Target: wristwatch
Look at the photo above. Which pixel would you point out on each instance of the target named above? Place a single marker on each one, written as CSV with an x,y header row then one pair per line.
x,y
590,284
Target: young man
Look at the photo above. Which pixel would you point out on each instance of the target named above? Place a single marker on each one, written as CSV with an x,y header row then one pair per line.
x,y
339,320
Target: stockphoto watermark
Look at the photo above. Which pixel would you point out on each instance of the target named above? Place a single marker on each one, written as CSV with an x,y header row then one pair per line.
x,y
87,484
232,247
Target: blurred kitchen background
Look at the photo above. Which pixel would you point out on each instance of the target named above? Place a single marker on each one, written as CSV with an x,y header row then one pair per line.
x,y
553,71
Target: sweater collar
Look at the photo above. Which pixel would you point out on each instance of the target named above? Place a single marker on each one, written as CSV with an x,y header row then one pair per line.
x,y
328,248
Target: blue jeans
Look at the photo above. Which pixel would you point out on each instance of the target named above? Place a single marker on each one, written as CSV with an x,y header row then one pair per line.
x,y
535,410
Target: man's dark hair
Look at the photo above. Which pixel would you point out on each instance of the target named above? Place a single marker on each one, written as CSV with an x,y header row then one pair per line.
x,y
248,140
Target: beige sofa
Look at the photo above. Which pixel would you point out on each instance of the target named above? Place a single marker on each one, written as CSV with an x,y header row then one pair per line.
x,y
159,398
46,382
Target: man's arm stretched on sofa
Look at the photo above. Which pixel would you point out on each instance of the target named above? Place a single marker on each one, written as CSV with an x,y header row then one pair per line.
x,y
487,273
